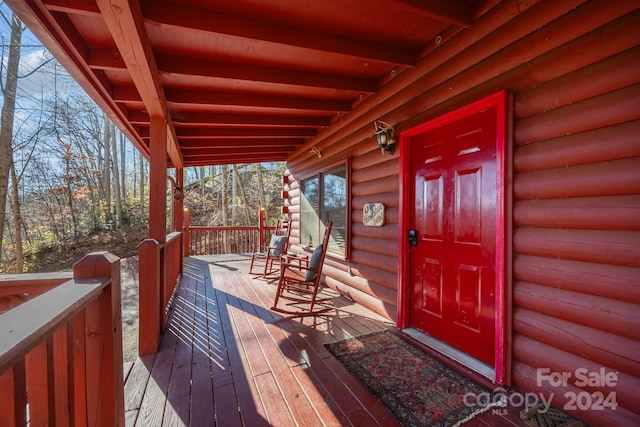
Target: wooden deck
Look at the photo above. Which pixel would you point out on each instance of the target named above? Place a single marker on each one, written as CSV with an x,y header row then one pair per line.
x,y
226,359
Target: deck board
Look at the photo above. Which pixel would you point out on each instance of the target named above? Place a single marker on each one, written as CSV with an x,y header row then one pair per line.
x,y
225,359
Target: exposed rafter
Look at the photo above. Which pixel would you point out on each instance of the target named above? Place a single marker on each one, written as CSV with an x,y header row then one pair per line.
x,y
126,24
443,10
210,133
174,16
195,97
239,81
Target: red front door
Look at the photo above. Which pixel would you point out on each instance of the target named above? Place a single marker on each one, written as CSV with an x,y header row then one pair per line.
x,y
453,213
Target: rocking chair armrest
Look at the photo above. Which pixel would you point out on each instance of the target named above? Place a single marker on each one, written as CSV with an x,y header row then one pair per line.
x,y
290,265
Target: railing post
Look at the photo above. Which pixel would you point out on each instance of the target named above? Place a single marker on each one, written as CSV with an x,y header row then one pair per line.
x,y
186,235
103,341
261,228
149,296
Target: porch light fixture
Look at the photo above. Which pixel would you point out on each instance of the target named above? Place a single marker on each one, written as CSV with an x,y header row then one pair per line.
x,y
385,136
178,194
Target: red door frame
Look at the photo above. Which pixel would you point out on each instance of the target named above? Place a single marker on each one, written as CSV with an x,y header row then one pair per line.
x,y
500,101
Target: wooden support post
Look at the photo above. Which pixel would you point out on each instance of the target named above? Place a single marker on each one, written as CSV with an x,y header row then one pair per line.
x,y
157,223
149,295
103,341
158,180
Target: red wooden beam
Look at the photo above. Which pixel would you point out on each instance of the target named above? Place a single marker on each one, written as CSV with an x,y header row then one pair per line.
x,y
234,151
234,159
76,7
253,145
158,180
200,97
452,12
235,133
192,119
126,24
174,16
236,71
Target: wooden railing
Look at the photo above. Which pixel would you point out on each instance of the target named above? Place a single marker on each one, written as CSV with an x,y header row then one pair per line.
x,y
199,240
61,352
173,260
16,289
222,240
160,267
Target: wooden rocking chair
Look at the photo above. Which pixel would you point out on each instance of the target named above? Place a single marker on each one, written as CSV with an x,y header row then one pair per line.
x,y
269,255
299,283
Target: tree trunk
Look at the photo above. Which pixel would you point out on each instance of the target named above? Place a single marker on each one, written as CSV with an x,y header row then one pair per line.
x,y
204,203
134,185
17,218
116,177
234,196
123,168
243,196
69,179
225,220
6,121
107,170
263,199
143,212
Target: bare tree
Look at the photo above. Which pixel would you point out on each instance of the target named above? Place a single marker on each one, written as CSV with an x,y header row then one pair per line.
x,y
225,220
106,177
116,176
143,211
6,120
263,200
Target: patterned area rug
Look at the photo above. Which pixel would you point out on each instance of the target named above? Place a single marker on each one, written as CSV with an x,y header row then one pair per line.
x,y
417,389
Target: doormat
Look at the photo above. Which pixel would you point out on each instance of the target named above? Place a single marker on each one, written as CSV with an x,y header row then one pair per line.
x,y
552,417
415,387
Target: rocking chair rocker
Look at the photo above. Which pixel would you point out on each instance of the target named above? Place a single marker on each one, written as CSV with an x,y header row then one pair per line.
x,y
299,284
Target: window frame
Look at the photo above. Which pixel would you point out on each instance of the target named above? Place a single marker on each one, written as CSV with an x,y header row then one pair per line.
x,y
318,174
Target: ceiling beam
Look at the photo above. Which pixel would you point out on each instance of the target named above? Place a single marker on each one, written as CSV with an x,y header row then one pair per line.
x,y
452,12
200,97
191,119
233,151
110,59
126,25
171,15
235,159
76,7
228,70
241,142
211,133
187,119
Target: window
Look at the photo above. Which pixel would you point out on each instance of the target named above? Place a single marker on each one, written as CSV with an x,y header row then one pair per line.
x,y
324,198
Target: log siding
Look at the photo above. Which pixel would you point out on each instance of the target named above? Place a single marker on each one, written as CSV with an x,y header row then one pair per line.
x,y
574,70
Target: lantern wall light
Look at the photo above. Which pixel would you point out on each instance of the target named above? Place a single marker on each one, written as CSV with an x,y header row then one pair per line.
x,y
385,136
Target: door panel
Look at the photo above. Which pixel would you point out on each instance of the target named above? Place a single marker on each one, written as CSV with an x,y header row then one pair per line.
x,y
454,210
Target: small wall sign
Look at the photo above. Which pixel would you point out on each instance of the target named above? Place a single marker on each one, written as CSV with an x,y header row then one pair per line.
x,y
373,214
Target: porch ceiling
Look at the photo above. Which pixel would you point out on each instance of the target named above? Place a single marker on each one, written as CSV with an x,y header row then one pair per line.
x,y
236,81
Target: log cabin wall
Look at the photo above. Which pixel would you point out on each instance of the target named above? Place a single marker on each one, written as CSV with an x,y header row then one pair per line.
x,y
573,68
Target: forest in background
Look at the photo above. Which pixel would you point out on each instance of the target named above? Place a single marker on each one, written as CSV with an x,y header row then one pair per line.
x,y
71,182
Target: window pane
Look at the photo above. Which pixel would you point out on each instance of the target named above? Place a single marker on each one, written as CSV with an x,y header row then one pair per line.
x,y
334,205
309,212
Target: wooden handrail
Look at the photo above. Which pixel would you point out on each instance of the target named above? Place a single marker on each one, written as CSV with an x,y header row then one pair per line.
x,y
16,289
61,352
204,240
